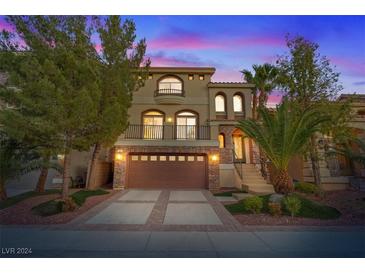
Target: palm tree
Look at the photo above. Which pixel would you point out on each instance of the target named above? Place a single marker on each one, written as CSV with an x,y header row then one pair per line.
x,y
265,81
281,134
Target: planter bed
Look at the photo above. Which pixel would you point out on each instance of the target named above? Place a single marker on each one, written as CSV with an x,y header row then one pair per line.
x,y
22,214
336,208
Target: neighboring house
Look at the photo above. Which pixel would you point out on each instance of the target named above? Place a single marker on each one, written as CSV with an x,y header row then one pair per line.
x,y
337,171
182,133
358,127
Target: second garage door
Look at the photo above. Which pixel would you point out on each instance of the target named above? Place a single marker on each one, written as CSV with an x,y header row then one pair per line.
x,y
167,171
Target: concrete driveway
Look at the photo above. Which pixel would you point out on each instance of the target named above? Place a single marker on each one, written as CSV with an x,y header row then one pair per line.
x,y
159,210
174,223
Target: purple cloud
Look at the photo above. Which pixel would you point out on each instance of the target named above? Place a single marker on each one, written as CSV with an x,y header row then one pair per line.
x,y
350,67
6,26
161,59
361,83
181,39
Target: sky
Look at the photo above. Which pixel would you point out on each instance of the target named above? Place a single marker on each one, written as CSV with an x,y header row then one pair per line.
x,y
233,43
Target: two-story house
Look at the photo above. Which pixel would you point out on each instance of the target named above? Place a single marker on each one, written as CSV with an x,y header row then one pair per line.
x,y
182,133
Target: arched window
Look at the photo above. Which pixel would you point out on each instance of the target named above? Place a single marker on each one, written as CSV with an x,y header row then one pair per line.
x,y
237,103
221,140
220,103
186,125
170,84
153,124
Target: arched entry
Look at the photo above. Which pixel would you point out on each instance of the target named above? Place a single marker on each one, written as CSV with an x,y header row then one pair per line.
x,y
239,146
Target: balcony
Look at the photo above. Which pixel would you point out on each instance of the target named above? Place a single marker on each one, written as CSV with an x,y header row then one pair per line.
x,y
167,132
169,96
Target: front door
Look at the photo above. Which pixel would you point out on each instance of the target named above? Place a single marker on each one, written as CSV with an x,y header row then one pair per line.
x,y
239,148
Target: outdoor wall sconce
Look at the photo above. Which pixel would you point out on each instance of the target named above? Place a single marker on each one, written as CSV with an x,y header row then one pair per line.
x,y
169,119
119,155
214,157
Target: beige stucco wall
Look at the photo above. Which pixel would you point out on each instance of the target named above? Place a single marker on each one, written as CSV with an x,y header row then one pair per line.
x,y
199,97
229,92
228,176
196,97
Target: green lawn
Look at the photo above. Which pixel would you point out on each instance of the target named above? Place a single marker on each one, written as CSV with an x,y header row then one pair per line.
x,y
228,193
21,197
54,207
80,196
309,209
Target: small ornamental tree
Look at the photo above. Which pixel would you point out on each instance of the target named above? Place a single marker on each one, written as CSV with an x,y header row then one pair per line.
x,y
308,78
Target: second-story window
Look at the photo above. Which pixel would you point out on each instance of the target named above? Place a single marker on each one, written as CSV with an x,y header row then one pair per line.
x,y
186,125
220,103
170,85
237,103
153,125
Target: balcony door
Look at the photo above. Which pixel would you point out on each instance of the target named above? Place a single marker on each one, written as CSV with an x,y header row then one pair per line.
x,y
153,125
186,125
170,85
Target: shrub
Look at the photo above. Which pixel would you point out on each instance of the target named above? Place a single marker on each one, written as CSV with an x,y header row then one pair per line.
x,y
292,204
253,204
307,188
274,209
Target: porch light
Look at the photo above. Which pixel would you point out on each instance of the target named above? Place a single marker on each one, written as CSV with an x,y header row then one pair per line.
x,y
214,157
119,155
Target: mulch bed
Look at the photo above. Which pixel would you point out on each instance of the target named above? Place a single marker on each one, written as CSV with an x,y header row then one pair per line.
x,y
350,203
21,213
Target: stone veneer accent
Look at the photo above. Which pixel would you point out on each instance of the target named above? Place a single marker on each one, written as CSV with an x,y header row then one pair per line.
x,y
119,179
226,156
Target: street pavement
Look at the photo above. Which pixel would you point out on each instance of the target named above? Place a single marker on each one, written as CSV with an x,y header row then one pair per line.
x,y
55,241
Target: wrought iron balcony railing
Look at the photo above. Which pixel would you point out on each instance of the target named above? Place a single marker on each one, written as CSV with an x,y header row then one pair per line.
x,y
167,132
169,92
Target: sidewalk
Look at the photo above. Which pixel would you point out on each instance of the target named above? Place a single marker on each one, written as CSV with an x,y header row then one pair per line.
x,y
46,242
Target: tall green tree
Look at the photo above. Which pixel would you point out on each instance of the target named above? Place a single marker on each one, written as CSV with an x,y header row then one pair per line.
x,y
122,70
282,134
308,78
21,115
57,83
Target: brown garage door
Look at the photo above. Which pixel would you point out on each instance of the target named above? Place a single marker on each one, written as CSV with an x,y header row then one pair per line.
x,y
167,171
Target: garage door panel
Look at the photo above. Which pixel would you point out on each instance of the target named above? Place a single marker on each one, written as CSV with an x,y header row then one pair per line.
x,y
167,174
